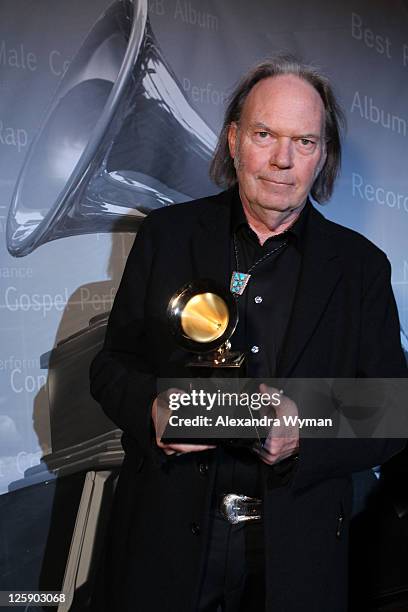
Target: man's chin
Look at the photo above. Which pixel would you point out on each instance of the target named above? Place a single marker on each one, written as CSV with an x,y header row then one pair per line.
x,y
280,202
277,204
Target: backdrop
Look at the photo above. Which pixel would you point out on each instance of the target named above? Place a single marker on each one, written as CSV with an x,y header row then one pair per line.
x,y
108,111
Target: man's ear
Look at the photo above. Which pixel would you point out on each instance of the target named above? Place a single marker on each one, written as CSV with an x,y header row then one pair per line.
x,y
232,138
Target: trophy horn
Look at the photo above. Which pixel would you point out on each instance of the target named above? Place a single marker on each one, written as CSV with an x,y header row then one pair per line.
x,y
202,317
119,140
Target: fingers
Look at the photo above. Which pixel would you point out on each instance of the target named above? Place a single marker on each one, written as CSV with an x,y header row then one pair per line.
x,y
273,459
168,451
268,461
160,416
269,390
171,449
161,412
275,450
190,448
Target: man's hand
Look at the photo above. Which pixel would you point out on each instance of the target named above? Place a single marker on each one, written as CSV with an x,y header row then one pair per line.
x,y
160,415
282,441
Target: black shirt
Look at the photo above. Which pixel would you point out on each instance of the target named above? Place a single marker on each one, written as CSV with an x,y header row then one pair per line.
x,y
264,312
265,306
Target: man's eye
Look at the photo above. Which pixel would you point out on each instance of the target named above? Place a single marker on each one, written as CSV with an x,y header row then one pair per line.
x,y
307,143
262,135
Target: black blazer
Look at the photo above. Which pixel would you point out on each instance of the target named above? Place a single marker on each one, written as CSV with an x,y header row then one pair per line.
x,y
344,323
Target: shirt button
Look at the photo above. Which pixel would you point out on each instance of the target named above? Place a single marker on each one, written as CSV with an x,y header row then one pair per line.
x,y
258,299
203,467
195,529
255,349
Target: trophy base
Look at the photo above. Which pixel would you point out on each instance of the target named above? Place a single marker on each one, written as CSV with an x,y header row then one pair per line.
x,y
232,443
233,359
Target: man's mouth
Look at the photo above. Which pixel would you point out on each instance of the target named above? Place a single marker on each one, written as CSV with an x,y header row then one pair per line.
x,y
275,181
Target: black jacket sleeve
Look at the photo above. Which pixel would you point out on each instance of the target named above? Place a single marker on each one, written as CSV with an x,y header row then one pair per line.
x,y
122,376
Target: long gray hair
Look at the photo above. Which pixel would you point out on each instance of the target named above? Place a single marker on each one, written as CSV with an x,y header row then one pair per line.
x,y
222,169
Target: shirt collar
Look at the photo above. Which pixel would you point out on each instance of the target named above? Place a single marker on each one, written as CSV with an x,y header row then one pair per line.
x,y
295,232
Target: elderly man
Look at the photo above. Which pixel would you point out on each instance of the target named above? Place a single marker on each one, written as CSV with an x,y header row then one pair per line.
x,y
318,303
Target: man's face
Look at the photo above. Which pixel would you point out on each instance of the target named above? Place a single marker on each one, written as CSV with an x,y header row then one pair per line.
x,y
278,147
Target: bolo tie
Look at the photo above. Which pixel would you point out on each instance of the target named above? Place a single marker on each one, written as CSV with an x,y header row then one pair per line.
x,y
239,280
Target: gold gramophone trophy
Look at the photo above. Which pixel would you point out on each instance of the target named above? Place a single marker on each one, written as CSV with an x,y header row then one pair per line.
x,y
203,317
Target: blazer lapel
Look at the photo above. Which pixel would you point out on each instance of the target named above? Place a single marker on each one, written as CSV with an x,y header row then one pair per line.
x,y
319,275
320,272
211,244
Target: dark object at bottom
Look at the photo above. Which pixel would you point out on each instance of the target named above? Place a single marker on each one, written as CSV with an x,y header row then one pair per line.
x,y
379,544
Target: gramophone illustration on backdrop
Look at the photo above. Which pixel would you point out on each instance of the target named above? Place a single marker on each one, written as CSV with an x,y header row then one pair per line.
x,y
119,140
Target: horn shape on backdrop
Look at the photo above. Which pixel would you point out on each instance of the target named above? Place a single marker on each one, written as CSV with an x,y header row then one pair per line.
x,y
119,140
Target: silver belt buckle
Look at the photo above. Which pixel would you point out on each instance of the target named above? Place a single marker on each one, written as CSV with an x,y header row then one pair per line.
x,y
239,508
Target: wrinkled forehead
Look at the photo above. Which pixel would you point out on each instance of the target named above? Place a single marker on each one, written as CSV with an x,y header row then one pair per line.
x,y
284,102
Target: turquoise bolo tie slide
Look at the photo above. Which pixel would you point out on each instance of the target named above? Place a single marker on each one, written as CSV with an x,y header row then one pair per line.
x,y
239,281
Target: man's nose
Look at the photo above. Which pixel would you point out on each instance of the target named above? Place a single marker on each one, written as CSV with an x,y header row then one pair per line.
x,y
282,153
